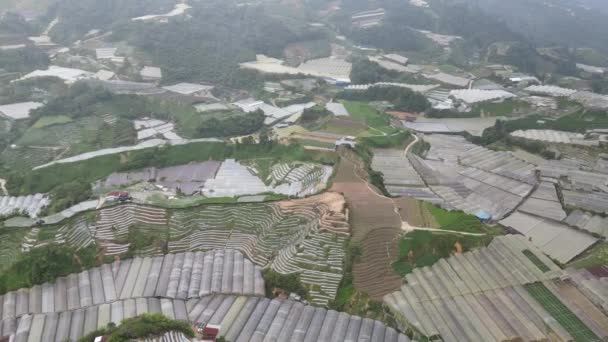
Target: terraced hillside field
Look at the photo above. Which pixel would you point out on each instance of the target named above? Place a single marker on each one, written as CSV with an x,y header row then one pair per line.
x,y
305,236
376,225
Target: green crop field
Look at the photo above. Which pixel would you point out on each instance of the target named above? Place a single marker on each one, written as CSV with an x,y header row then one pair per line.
x,y
456,220
536,261
566,318
423,248
51,120
364,113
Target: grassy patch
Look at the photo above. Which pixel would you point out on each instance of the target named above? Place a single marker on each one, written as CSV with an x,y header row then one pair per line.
x,y
423,248
354,302
314,143
566,318
140,328
187,202
45,264
44,180
504,108
596,256
51,120
364,113
456,220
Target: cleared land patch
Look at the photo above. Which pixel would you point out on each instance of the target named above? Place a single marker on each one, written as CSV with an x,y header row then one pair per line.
x,y
374,223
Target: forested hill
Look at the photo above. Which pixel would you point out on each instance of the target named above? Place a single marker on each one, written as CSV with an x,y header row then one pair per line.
x,y
572,23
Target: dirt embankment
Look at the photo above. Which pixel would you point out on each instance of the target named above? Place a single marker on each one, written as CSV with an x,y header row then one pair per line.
x,y
375,226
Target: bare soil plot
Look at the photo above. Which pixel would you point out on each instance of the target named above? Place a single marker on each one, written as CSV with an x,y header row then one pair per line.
x,y
345,125
415,213
375,224
368,209
374,274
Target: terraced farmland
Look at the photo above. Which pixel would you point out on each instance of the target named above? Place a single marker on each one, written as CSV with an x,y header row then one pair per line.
x,y
306,236
376,225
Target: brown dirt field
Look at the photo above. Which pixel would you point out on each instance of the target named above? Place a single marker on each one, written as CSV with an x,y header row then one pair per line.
x,y
374,224
403,115
374,274
347,123
368,210
415,213
304,136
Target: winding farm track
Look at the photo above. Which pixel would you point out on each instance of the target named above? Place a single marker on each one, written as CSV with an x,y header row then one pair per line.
x,y
375,225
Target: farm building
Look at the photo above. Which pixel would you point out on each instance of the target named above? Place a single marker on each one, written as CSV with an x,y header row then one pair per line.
x,y
471,178
152,128
191,89
234,179
507,291
127,87
334,70
188,179
69,75
473,126
550,90
151,74
472,96
591,100
368,18
399,174
555,239
591,223
392,57
421,88
109,54
448,79
551,136
394,66
18,111
105,75
591,69
337,109
219,288
30,205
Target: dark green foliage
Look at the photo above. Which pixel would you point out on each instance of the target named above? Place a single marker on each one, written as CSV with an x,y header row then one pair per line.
x,y
365,71
600,84
558,22
383,37
446,113
577,122
211,46
403,99
76,101
86,15
45,264
232,125
68,194
347,288
85,172
139,328
23,60
423,248
290,283
421,147
395,140
313,114
13,23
